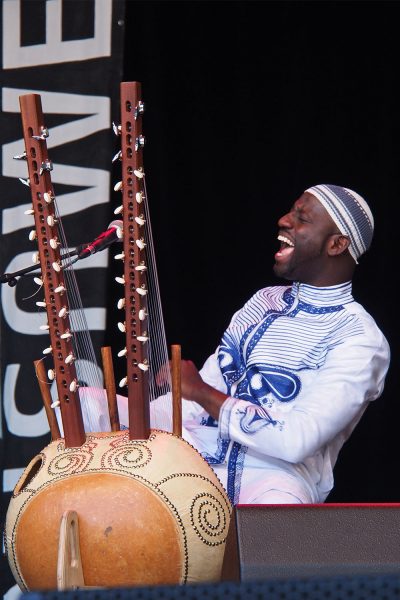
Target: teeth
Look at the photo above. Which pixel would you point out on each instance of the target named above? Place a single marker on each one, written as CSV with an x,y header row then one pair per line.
x,y
282,238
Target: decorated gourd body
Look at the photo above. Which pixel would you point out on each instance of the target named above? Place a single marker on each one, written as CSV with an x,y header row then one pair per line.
x,y
150,512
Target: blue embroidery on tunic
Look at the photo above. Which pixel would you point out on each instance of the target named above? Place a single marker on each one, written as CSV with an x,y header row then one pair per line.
x,y
260,381
235,469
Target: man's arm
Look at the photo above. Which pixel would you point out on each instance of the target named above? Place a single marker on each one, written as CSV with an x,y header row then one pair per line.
x,y
197,390
332,398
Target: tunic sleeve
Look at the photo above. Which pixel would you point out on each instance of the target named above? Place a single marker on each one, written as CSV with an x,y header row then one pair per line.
x,y
332,401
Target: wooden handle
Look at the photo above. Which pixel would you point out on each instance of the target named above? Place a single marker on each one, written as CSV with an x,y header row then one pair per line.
x,y
69,564
110,388
176,390
47,400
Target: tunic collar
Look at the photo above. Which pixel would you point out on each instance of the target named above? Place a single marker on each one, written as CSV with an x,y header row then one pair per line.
x,y
323,296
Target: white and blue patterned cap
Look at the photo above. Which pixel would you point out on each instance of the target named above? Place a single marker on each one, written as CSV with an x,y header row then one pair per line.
x,y
351,214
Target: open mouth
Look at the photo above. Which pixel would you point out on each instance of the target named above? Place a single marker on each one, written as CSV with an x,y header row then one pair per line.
x,y
286,247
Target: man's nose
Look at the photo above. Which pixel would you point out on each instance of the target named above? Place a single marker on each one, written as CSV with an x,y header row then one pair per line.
x,y
285,221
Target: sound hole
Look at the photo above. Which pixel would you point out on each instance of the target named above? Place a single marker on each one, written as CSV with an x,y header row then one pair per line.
x,y
31,470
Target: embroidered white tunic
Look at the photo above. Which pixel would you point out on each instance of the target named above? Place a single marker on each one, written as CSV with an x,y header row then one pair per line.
x,y
300,365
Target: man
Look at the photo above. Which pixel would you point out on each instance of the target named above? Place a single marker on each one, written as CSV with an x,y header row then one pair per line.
x,y
298,364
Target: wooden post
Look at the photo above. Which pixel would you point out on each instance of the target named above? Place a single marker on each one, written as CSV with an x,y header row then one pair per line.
x,y
176,390
109,379
47,400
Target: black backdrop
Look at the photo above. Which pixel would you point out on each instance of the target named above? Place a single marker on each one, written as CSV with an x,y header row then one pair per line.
x,y
247,104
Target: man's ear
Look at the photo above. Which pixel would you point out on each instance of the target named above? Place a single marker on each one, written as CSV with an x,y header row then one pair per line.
x,y
338,244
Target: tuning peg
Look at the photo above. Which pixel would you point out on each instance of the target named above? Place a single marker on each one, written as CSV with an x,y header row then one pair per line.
x,y
139,220
32,235
46,165
56,266
123,382
51,221
120,279
30,211
60,289
38,281
66,336
43,135
117,129
73,386
119,232
44,327
122,352
139,109
117,156
22,156
139,197
141,244
139,173
142,338
41,304
118,186
142,314
141,290
118,210
119,256
63,312
141,267
26,182
48,350
143,366
54,243
69,359
51,374
122,327
121,303
139,142
55,404
35,258
48,197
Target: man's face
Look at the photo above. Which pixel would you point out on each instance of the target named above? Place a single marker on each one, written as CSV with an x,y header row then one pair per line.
x,y
304,232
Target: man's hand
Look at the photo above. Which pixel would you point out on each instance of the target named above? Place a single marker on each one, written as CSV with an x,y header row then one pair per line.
x,y
195,389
